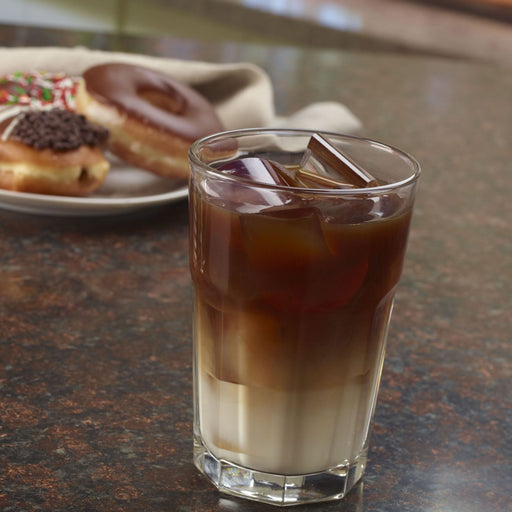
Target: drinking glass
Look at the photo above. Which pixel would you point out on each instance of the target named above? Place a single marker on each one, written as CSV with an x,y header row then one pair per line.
x,y
294,288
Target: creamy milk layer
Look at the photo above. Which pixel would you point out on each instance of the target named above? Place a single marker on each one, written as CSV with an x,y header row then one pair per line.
x,y
280,432
270,424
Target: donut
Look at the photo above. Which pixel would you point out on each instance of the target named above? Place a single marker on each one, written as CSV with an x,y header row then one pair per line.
x,y
38,89
152,118
50,151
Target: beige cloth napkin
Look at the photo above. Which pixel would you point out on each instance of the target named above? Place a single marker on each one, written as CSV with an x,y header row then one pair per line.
x,y
241,93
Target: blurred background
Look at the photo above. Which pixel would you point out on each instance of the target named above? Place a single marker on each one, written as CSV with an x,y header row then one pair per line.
x,y
470,29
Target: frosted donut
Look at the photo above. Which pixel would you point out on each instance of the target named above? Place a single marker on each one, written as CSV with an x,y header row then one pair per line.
x,y
51,151
152,118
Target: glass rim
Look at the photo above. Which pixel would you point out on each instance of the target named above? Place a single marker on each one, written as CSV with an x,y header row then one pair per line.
x,y
290,132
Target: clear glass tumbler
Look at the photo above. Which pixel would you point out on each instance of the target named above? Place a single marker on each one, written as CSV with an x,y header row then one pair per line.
x,y
294,288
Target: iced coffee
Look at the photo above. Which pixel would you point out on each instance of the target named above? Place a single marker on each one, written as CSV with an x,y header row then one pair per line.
x,y
295,266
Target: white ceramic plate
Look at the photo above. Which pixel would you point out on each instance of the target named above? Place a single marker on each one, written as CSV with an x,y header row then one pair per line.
x,y
125,190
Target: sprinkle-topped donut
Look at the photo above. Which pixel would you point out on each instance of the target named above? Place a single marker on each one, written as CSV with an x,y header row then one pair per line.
x,y
152,118
38,89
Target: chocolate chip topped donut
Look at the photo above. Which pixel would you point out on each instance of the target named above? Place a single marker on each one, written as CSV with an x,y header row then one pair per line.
x,y
56,129
51,151
152,118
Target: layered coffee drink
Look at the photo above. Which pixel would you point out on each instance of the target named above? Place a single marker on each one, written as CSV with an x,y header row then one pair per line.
x,y
294,289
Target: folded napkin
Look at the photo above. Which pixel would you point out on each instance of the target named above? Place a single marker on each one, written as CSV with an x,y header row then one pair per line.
x,y
241,93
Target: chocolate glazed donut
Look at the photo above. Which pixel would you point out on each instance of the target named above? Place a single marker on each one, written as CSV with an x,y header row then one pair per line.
x,y
151,117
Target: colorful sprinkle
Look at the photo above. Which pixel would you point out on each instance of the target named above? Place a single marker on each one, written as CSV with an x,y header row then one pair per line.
x,y
38,89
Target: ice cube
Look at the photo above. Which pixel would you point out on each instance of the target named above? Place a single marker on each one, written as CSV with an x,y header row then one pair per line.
x,y
271,172
248,196
296,176
322,158
348,210
240,346
284,239
297,270
254,169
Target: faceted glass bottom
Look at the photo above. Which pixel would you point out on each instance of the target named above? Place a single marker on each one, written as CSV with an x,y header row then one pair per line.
x,y
282,490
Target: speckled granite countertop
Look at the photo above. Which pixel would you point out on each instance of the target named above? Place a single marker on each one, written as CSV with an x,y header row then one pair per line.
x,y
95,330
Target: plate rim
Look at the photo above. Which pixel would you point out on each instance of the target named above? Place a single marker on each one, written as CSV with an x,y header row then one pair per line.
x,y
92,205
28,202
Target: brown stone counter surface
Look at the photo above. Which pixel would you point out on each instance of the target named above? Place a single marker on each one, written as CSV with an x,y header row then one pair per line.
x,y
95,313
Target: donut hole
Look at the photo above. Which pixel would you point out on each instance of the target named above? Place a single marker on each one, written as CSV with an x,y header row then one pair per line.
x,y
171,103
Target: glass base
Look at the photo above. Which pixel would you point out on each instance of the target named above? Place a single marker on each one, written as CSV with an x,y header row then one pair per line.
x,y
281,490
